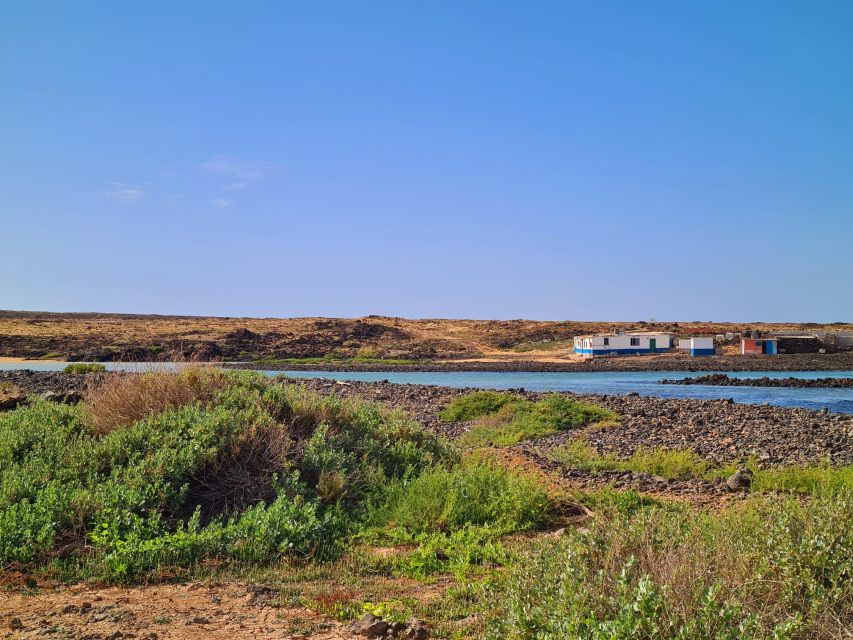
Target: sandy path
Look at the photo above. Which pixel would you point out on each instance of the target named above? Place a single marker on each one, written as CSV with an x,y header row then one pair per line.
x,y
187,611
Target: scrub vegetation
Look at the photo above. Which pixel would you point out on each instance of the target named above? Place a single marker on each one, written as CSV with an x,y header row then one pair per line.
x,y
681,464
84,367
504,419
346,507
763,570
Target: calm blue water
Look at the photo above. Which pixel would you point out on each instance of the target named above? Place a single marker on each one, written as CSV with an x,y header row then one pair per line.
x,y
613,383
618,383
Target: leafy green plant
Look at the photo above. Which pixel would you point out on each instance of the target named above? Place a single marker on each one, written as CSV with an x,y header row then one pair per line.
x,y
477,404
477,492
256,472
504,419
84,367
459,552
775,569
824,479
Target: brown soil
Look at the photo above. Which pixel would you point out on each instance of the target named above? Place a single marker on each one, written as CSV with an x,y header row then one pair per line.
x,y
91,336
183,612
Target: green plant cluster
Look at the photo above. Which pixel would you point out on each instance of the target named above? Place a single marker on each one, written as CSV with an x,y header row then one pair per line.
x,y
775,570
504,419
457,515
477,492
681,463
84,367
193,483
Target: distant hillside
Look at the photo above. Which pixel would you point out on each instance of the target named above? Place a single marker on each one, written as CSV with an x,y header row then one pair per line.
x,y
95,336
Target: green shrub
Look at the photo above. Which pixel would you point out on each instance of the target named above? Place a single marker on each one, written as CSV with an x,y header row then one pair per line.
x,y
504,419
477,404
776,569
667,463
84,367
458,552
258,471
475,493
542,345
820,479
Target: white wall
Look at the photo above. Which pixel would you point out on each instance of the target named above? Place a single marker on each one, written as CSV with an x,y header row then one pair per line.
x,y
663,341
701,343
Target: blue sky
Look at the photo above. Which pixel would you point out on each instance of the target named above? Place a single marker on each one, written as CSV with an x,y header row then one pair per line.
x,y
548,160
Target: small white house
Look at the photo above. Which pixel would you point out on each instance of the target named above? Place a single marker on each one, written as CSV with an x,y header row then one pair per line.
x,y
604,344
697,346
701,346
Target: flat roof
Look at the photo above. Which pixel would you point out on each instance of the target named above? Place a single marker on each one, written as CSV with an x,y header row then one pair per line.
x,y
626,333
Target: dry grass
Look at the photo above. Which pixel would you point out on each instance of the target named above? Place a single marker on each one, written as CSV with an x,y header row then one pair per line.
x,y
139,337
121,400
243,475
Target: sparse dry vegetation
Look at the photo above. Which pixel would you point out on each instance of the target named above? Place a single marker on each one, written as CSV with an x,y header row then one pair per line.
x,y
121,400
375,339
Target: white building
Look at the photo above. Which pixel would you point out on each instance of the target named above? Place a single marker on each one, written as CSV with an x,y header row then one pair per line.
x,y
604,344
701,346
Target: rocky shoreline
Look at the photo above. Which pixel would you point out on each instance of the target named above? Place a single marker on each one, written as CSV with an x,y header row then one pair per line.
x,y
722,380
720,431
675,362
16,386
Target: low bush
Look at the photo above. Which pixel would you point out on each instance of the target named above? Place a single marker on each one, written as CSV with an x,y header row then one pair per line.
x,y
823,479
820,479
478,404
84,367
504,419
764,570
459,552
477,492
121,400
253,471
667,463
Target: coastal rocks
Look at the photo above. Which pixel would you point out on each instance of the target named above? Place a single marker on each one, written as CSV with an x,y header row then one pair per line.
x,y
40,382
740,480
719,431
723,380
16,386
10,396
371,626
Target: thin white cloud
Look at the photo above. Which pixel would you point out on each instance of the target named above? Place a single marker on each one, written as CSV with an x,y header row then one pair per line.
x,y
122,191
239,168
236,186
221,202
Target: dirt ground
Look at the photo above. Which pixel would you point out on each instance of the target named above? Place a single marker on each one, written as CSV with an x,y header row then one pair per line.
x,y
180,612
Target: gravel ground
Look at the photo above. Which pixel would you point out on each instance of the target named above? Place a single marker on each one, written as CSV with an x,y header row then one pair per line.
x,y
719,430
722,380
